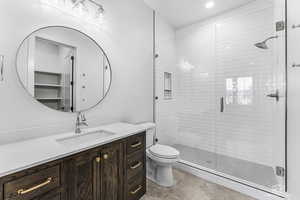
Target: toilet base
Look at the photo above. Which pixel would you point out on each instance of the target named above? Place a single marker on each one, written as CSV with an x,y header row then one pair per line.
x,y
160,174
164,176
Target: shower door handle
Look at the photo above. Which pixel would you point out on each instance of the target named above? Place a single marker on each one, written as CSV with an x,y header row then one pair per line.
x,y
222,104
296,65
274,95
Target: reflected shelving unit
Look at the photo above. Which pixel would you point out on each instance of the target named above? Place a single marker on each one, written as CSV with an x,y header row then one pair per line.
x,y
48,89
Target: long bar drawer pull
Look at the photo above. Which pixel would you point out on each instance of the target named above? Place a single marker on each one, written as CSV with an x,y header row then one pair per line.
x,y
137,190
136,166
136,145
23,191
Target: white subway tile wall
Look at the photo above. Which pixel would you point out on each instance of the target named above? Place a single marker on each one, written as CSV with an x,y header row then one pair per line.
x,y
209,53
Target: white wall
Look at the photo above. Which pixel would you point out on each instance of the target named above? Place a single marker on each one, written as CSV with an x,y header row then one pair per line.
x,y
166,111
293,100
126,36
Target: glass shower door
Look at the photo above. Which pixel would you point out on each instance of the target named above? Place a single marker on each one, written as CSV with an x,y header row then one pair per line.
x,y
195,97
249,88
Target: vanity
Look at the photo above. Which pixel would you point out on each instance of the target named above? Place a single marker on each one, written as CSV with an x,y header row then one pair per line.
x,y
65,70
113,170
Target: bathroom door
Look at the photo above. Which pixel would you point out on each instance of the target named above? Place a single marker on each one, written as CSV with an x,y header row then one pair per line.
x,y
250,119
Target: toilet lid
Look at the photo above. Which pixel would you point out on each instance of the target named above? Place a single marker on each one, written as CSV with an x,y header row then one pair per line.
x,y
164,151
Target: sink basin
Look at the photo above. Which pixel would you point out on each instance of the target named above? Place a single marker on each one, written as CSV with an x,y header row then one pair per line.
x,y
84,138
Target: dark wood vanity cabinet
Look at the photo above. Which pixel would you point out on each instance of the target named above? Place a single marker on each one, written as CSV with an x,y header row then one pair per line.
x,y
115,171
135,167
112,163
44,182
82,176
96,175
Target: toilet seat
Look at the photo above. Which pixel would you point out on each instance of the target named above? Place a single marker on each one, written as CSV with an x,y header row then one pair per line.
x,y
163,151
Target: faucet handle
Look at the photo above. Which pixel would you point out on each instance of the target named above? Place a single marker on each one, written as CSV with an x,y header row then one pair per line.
x,y
83,118
78,117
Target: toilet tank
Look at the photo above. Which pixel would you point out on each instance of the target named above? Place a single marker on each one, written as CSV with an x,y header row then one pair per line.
x,y
150,134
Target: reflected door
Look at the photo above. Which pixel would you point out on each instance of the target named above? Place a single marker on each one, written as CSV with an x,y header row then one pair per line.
x,y
68,65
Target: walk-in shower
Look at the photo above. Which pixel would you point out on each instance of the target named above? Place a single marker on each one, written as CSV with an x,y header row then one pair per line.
x,y
221,116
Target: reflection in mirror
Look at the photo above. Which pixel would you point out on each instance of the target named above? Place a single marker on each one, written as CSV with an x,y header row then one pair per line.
x,y
63,69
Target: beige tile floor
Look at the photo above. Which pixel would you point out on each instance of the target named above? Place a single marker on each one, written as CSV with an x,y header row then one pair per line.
x,y
190,187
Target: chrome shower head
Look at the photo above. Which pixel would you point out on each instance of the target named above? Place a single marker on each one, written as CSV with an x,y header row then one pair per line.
x,y
263,44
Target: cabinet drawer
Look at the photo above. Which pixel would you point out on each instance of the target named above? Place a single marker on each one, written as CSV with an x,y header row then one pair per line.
x,y
53,195
135,143
30,186
135,164
137,188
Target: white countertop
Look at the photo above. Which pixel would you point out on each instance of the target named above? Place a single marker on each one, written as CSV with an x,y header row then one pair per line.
x,y
18,156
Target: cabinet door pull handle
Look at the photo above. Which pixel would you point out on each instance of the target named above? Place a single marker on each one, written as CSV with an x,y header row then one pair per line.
x,y
136,166
25,191
105,156
98,159
136,145
137,190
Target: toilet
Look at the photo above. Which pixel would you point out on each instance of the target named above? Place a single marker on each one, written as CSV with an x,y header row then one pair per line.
x,y
160,161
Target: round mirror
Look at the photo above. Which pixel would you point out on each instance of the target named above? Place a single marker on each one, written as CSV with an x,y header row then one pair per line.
x,y
63,69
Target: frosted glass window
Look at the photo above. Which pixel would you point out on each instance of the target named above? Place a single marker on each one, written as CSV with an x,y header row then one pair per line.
x,y
229,91
244,90
239,90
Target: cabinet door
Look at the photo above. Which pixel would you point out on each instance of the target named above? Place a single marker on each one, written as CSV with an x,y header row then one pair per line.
x,y
83,177
112,173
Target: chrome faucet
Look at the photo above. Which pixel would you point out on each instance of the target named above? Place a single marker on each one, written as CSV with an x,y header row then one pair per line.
x,y
80,121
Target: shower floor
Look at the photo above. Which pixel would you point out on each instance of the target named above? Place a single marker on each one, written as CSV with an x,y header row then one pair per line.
x,y
245,170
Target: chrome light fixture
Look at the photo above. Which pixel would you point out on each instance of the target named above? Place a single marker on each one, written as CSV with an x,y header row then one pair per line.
x,y
100,11
82,4
210,4
87,10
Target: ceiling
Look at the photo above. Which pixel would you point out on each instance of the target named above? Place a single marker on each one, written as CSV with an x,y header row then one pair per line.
x,y
184,12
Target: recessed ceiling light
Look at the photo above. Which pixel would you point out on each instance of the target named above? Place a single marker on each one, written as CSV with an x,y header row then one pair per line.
x,y
210,4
